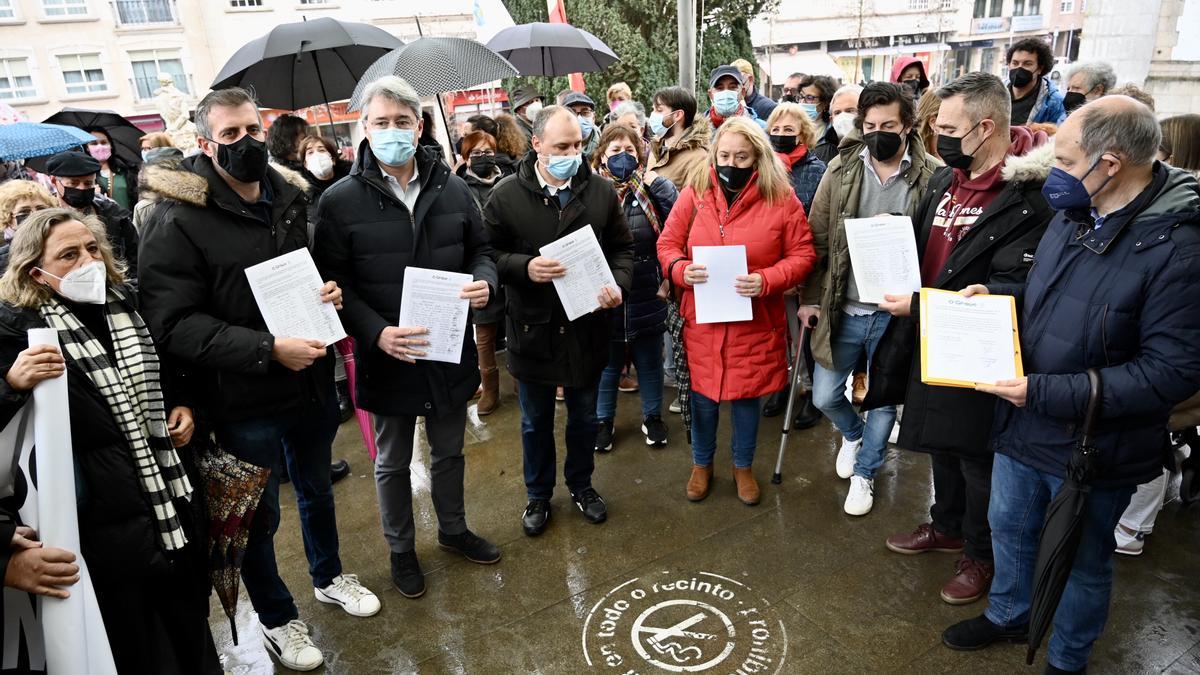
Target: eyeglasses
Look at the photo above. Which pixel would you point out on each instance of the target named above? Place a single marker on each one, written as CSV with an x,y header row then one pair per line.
x,y
807,98
482,153
18,216
380,125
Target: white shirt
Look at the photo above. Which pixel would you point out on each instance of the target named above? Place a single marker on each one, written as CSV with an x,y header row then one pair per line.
x,y
551,189
407,193
865,156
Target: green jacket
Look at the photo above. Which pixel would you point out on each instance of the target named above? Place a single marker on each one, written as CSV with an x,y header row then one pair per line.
x,y
836,200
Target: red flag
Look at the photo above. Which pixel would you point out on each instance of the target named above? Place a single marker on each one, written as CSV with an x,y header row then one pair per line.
x,y
558,14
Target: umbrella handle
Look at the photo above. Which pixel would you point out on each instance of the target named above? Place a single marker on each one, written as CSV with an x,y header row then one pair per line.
x,y
1092,415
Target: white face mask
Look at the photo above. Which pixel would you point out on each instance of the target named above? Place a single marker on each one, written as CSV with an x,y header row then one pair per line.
x,y
843,124
87,284
533,109
320,164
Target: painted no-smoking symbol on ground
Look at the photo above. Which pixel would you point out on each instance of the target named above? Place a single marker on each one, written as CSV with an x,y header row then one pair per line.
x,y
680,647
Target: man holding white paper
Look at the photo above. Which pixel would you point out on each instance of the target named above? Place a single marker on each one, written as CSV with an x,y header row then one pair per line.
x,y
555,195
881,168
401,235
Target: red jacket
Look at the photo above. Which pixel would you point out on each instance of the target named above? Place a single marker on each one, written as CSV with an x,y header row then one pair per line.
x,y
747,359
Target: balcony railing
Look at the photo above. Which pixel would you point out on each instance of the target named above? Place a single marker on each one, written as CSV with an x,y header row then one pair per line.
x,y
135,13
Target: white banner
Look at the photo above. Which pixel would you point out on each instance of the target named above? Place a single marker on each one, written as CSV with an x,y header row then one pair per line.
x,y
60,636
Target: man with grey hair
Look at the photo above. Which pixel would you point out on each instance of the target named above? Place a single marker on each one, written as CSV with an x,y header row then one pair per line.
x,y
401,208
552,195
843,113
1114,292
223,211
1087,82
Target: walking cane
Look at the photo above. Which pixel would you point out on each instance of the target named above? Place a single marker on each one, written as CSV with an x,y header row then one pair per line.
x,y
797,370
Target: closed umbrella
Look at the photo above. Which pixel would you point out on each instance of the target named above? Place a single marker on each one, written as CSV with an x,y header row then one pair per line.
x,y
1063,527
126,138
552,49
434,65
306,63
21,140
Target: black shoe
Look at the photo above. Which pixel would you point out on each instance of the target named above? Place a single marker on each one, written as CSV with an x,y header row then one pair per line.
x,y
604,437
776,403
1051,670
470,546
655,430
537,514
345,403
339,470
406,574
592,506
809,416
977,633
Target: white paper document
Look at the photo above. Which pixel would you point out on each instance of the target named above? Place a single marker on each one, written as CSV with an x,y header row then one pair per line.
x,y
717,300
968,341
883,255
587,271
288,292
429,299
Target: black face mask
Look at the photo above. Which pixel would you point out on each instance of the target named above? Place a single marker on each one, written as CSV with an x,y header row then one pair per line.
x,y
913,87
950,150
483,165
790,98
1072,100
245,159
78,198
1019,77
883,145
734,178
784,144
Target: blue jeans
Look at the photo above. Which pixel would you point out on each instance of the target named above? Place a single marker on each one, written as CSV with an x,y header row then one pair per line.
x,y
537,438
305,437
705,415
855,335
1020,495
647,353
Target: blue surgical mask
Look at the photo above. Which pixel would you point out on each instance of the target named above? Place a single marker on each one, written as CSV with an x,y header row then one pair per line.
x,y
622,166
1064,192
562,167
393,147
725,102
810,109
656,124
586,126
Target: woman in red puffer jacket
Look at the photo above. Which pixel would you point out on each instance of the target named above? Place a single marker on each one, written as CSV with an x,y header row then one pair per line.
x,y
749,201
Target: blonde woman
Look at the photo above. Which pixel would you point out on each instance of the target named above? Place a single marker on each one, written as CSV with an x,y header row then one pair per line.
x,y
20,199
136,530
748,201
792,137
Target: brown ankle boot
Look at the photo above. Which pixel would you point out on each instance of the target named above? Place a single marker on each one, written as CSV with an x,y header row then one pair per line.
x,y
699,482
490,399
747,487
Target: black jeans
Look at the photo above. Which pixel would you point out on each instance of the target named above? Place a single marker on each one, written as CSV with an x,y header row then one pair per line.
x,y
537,436
962,487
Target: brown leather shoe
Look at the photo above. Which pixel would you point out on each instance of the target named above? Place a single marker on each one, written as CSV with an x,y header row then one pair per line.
x,y
699,482
922,540
747,487
971,581
490,398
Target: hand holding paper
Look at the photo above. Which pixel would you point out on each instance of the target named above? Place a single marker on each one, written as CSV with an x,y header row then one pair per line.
x,y
1013,391
438,302
584,268
971,342
719,298
295,302
883,256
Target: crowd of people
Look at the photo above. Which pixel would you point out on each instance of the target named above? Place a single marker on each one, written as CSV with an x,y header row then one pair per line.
x,y
1082,205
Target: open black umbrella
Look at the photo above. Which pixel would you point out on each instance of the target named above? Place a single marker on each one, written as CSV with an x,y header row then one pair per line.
x,y
1064,525
126,138
552,49
306,63
434,65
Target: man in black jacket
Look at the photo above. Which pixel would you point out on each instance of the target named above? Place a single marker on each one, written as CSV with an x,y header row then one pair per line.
x,y
225,212
554,194
401,207
74,175
979,222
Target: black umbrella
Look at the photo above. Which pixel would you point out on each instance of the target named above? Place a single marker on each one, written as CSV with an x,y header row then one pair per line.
x,y
126,138
1064,526
306,63
434,65
552,49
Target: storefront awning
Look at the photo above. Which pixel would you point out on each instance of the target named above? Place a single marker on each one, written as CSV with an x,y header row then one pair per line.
x,y
811,62
894,51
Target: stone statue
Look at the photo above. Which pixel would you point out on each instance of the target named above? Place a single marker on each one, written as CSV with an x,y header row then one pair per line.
x,y
172,105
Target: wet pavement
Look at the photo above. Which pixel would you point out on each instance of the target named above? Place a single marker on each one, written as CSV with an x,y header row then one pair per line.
x,y
792,585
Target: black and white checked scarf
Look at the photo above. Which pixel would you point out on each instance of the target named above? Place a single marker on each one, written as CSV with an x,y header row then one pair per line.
x,y
135,398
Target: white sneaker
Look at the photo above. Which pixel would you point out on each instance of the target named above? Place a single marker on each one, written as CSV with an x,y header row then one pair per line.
x,y
351,595
676,407
846,456
293,647
1129,544
861,497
